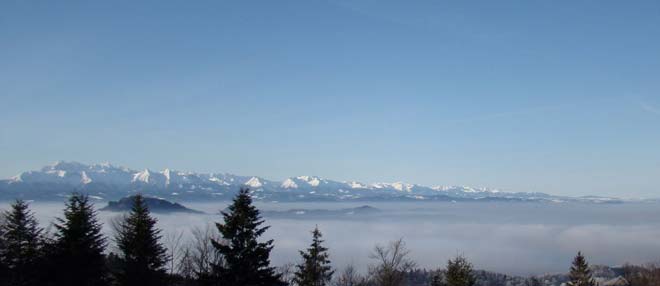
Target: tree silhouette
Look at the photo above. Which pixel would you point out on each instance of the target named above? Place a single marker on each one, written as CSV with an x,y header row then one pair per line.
x,y
21,246
459,272
580,275
393,263
79,245
246,261
143,257
315,269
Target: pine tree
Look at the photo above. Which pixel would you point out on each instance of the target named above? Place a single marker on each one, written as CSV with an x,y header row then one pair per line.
x,y
246,261
315,270
79,245
436,279
459,272
21,247
580,275
143,257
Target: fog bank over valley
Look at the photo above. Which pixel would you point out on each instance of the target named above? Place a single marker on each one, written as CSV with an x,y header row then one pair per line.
x,y
514,238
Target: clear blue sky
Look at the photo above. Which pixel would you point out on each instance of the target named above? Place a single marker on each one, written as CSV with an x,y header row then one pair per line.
x,y
554,96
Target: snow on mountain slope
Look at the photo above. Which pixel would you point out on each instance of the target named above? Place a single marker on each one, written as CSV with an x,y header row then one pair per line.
x,y
107,180
254,182
289,184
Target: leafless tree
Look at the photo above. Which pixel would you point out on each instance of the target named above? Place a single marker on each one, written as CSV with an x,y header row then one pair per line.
x,y
349,276
199,257
287,272
173,242
186,266
392,263
646,275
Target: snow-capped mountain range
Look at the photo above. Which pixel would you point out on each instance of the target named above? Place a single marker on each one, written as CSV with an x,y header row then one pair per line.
x,y
106,181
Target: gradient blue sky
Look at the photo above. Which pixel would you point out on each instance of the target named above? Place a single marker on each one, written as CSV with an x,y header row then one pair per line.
x,y
554,96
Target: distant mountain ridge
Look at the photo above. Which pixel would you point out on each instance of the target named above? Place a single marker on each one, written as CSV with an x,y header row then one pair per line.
x,y
106,181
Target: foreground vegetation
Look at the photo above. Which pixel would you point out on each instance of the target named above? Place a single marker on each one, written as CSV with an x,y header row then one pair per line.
x,y
76,253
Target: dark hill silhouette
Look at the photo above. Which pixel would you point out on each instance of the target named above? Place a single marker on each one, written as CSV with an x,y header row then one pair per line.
x,y
156,205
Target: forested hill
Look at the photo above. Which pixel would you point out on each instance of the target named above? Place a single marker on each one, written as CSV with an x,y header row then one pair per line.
x,y
155,205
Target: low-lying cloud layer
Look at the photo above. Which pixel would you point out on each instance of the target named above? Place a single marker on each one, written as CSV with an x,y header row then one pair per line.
x,y
512,238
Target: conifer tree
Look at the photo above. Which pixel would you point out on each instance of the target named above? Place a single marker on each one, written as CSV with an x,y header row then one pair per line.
x,y
315,269
143,257
21,247
246,260
459,272
580,275
436,279
4,271
79,245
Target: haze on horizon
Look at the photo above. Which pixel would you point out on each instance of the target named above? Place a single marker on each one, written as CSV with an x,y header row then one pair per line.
x,y
511,238
561,98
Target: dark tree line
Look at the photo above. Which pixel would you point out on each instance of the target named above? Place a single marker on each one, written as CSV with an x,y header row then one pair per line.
x,y
76,254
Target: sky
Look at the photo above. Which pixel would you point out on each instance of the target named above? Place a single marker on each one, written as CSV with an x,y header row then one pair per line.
x,y
561,97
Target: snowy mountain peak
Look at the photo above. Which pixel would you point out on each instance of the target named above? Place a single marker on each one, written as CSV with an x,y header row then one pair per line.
x,y
64,166
16,179
310,180
357,185
254,182
399,186
289,184
168,175
60,178
464,189
103,167
142,176
402,187
84,178
106,164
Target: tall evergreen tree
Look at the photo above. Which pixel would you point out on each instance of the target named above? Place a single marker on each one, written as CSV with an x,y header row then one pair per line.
x,y
459,272
78,248
21,247
143,257
246,260
580,275
315,269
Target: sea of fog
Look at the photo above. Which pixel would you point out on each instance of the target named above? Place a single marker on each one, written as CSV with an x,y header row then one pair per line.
x,y
514,238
